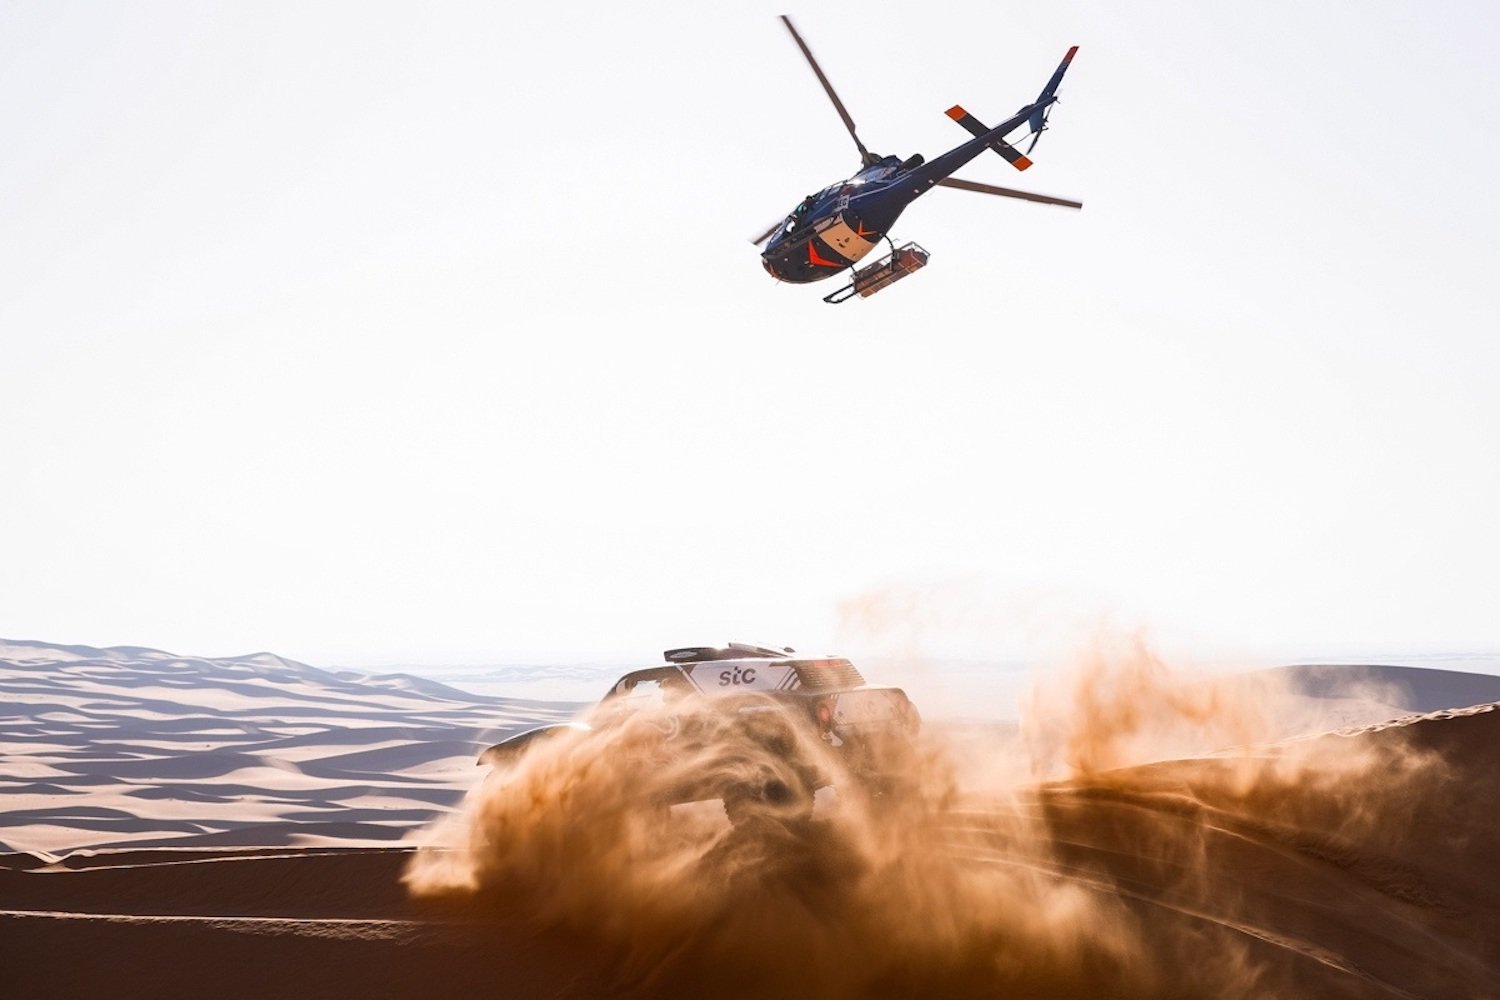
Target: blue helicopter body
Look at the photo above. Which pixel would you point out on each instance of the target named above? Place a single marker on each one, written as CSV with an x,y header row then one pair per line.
x,y
837,227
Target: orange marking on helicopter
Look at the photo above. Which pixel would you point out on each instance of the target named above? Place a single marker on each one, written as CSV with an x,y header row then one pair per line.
x,y
956,112
813,257
1021,163
860,231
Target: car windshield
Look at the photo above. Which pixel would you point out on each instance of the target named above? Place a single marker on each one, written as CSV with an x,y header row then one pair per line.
x,y
647,688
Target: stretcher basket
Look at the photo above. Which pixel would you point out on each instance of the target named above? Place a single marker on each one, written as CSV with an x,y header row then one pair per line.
x,y
886,271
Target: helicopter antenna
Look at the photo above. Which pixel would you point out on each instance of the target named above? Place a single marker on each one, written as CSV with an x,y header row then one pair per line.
x,y
866,157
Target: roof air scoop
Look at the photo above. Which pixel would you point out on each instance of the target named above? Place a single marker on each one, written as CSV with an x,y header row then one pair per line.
x,y
733,651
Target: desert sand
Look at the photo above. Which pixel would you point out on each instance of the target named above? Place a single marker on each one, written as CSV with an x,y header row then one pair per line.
x,y
254,827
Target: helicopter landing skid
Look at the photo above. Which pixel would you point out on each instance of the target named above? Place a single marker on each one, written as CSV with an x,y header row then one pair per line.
x,y
886,271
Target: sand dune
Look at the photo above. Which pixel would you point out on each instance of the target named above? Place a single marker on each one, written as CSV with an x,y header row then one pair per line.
x,y
256,924
235,837
129,746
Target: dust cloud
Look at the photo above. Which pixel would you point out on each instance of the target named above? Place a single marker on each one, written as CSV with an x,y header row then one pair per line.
x,y
1100,853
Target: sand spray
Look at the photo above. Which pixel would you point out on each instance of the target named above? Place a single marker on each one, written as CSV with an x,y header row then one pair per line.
x,y
955,878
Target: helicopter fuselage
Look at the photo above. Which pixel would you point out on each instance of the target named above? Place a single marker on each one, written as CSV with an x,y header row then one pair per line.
x,y
835,228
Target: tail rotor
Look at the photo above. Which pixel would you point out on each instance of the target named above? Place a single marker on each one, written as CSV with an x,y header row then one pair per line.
x,y
1046,99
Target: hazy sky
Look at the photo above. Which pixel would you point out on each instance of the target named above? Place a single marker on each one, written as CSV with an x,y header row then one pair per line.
x,y
375,333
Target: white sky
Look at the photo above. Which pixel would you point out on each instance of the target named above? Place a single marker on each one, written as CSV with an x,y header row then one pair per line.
x,y
376,333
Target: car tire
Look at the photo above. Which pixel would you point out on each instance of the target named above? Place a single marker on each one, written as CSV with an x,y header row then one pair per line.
x,y
773,799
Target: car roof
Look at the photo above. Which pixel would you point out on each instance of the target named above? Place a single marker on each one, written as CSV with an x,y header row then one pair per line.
x,y
724,675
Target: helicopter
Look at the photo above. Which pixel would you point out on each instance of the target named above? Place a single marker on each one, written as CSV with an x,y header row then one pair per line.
x,y
838,226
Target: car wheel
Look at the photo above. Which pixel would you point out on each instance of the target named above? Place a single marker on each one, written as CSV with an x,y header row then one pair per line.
x,y
773,799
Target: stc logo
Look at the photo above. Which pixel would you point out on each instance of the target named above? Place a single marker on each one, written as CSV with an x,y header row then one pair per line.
x,y
739,675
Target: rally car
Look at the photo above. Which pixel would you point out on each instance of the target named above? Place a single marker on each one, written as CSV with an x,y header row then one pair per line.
x,y
755,726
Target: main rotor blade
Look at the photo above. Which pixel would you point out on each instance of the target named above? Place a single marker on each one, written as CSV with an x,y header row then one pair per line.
x,y
767,234
864,154
1045,199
